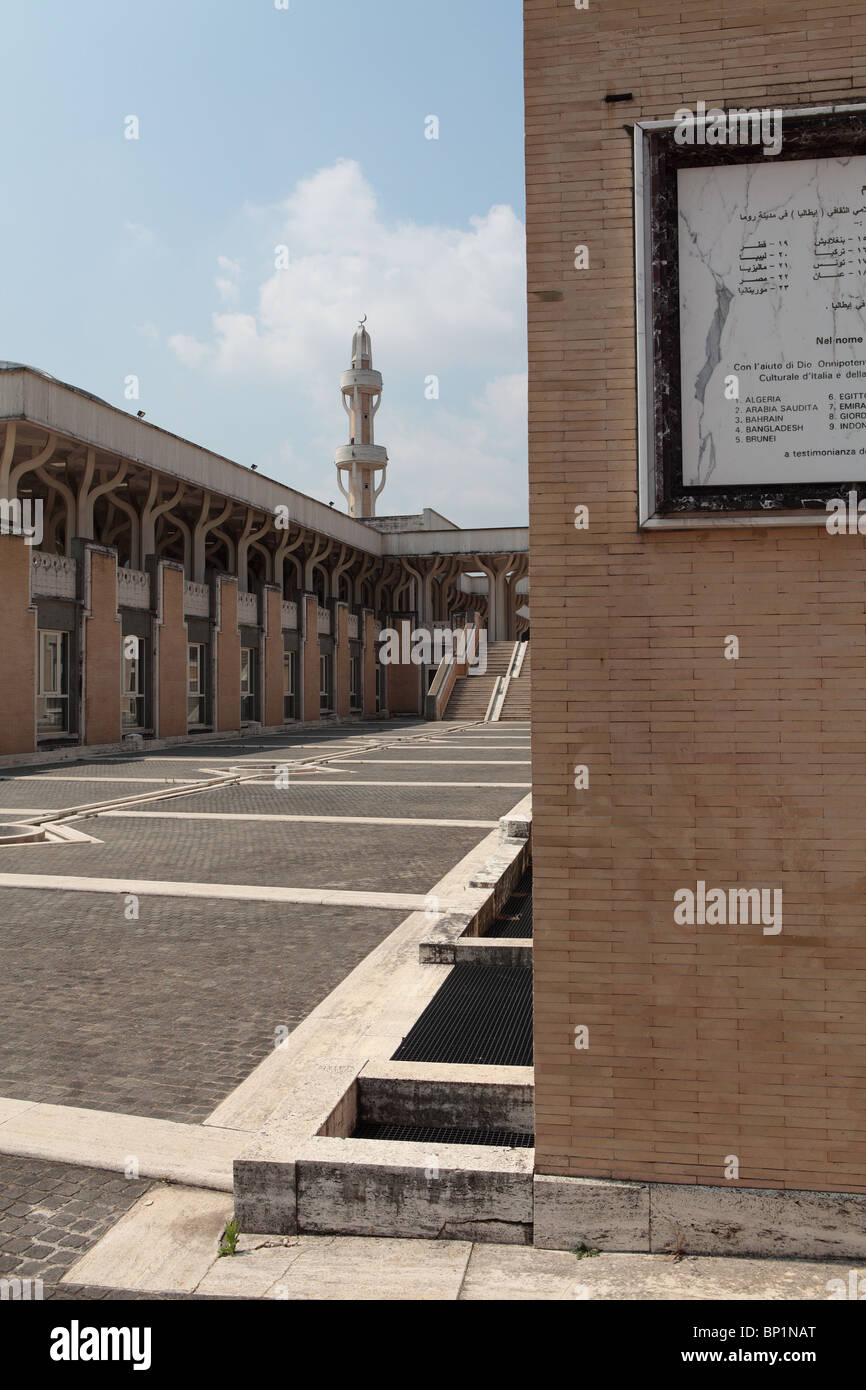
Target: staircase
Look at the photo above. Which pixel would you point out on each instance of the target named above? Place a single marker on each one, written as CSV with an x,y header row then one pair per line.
x,y
471,694
516,704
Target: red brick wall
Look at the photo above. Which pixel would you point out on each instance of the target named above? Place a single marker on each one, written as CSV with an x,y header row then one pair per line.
x,y
273,657
308,616
18,625
172,655
228,677
341,660
370,659
103,651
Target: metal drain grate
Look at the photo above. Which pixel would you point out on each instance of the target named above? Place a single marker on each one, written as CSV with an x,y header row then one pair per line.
x,y
515,918
481,1016
432,1134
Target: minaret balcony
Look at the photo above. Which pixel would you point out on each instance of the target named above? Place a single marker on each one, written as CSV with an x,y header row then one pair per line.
x,y
363,377
375,454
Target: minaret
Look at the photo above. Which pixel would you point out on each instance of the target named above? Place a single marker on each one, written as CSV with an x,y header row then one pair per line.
x,y
361,459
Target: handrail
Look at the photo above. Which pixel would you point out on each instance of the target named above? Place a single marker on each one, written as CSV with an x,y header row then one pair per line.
x,y
499,687
500,690
439,694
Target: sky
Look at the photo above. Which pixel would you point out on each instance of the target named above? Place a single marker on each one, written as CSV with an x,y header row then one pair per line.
x,y
261,128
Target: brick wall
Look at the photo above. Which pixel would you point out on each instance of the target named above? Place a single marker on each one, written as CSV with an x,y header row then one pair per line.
x,y
272,660
103,650
310,687
704,1041
18,625
342,682
228,657
171,646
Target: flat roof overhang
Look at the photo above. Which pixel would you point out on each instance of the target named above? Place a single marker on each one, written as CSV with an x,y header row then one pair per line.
x,y
32,396
28,395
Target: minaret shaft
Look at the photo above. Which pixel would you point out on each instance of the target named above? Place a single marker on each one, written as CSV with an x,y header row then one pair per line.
x,y
361,459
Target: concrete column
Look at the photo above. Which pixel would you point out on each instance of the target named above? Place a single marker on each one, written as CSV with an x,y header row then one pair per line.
x,y
100,643
369,662
18,619
272,655
170,649
342,697
308,619
227,713
499,621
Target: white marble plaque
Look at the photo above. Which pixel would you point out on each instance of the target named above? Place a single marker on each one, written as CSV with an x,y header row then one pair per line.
x,y
772,262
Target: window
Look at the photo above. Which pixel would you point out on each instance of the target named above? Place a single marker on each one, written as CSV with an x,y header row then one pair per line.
x,y
132,695
52,705
196,706
324,683
355,682
248,684
289,671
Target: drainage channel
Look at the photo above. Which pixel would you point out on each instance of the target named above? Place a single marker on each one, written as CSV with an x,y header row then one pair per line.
x,y
515,919
432,1134
480,1016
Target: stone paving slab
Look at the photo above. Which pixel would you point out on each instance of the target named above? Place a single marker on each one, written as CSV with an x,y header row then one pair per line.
x,y
199,1155
167,1244
165,1015
367,858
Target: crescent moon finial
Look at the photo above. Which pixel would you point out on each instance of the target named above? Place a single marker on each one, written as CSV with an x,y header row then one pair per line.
x,y
364,319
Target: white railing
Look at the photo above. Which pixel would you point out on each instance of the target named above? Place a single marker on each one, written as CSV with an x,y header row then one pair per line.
x,y
290,617
52,576
196,600
353,626
324,620
248,610
133,589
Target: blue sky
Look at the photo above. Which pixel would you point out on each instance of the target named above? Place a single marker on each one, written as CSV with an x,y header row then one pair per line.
x,y
261,128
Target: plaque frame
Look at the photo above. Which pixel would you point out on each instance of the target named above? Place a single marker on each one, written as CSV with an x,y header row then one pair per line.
x,y
821,132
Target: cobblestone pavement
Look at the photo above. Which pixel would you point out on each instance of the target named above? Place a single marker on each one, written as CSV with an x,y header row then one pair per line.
x,y
363,858
165,1013
50,1213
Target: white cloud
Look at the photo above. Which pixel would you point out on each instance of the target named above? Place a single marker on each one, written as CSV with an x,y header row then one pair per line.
x,y
139,233
227,290
190,352
227,287
438,298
